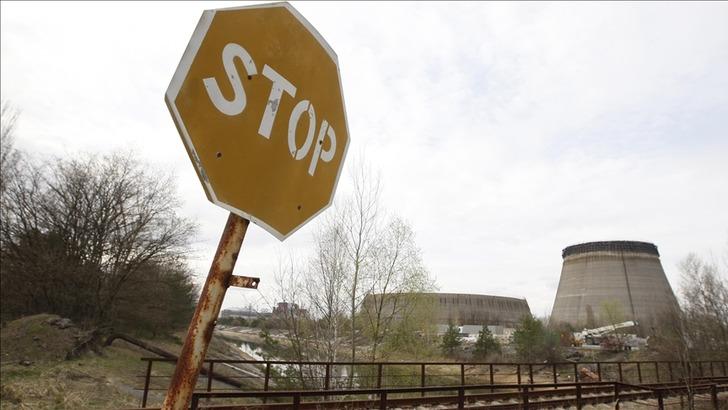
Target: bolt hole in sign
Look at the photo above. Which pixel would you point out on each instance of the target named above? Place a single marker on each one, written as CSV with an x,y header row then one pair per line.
x,y
262,86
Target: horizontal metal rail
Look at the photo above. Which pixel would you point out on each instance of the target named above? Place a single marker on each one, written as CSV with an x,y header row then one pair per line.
x,y
525,392
324,377
439,363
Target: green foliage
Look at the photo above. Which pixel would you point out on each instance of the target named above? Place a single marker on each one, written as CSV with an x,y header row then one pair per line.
x,y
533,342
451,340
232,321
612,312
271,347
413,336
486,344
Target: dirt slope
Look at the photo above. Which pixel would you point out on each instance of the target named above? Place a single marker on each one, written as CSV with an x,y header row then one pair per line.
x,y
36,374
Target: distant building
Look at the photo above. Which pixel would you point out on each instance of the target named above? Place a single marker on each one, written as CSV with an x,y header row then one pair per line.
x,y
466,309
627,275
283,308
247,313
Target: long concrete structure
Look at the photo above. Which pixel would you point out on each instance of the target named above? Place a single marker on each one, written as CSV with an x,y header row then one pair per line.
x,y
464,309
608,282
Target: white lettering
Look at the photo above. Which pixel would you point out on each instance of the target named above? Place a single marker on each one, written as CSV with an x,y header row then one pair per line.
x,y
328,155
303,105
237,104
280,84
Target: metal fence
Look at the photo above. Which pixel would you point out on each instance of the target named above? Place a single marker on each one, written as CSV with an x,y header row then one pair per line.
x,y
527,396
276,375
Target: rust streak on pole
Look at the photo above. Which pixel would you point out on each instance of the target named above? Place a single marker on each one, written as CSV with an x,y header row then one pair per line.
x,y
203,321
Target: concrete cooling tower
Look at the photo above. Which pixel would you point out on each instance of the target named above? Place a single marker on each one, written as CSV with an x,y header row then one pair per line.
x,y
604,281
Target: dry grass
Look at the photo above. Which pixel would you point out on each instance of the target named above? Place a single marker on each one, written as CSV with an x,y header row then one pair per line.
x,y
89,382
112,380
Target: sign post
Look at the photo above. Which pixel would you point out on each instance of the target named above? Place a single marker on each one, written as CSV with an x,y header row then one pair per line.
x,y
202,324
257,101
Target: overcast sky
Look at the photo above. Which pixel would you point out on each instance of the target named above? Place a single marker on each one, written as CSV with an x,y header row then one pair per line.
x,y
503,132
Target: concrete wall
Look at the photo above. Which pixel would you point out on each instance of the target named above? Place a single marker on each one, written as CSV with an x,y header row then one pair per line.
x,y
628,275
465,309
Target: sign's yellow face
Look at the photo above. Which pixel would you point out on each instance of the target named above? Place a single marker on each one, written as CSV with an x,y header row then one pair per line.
x,y
257,100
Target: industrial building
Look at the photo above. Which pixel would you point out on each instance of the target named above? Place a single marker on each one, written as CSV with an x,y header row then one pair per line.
x,y
614,281
465,309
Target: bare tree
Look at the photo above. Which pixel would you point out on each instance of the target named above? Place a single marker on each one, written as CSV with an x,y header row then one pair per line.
x,y
359,219
705,306
357,252
699,330
326,288
77,232
9,155
398,275
303,331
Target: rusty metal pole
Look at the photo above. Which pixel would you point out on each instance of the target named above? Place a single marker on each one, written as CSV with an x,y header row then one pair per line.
x,y
203,321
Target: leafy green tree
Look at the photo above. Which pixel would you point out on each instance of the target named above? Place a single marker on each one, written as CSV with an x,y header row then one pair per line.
x,y
486,344
451,340
414,336
534,342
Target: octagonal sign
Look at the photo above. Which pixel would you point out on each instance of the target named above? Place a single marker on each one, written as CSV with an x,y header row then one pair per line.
x,y
257,101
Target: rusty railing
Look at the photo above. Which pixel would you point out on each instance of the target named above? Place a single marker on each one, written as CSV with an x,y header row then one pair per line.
x,y
265,376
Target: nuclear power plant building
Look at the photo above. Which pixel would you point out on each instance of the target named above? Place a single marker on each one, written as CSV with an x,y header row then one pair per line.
x,y
608,282
464,309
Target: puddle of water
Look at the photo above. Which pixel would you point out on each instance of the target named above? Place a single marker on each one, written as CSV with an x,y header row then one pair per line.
x,y
339,374
252,350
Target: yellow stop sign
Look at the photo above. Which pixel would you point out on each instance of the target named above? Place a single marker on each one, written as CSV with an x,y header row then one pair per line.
x,y
257,101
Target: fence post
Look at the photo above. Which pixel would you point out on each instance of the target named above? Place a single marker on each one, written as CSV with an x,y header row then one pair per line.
x,y
711,369
490,366
422,378
518,372
379,376
266,380
669,370
524,397
660,402
578,397
599,370
576,374
556,380
383,400
327,379
616,396
462,374
657,372
619,365
461,397
714,395
209,376
296,400
146,383
639,372
530,372
195,402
